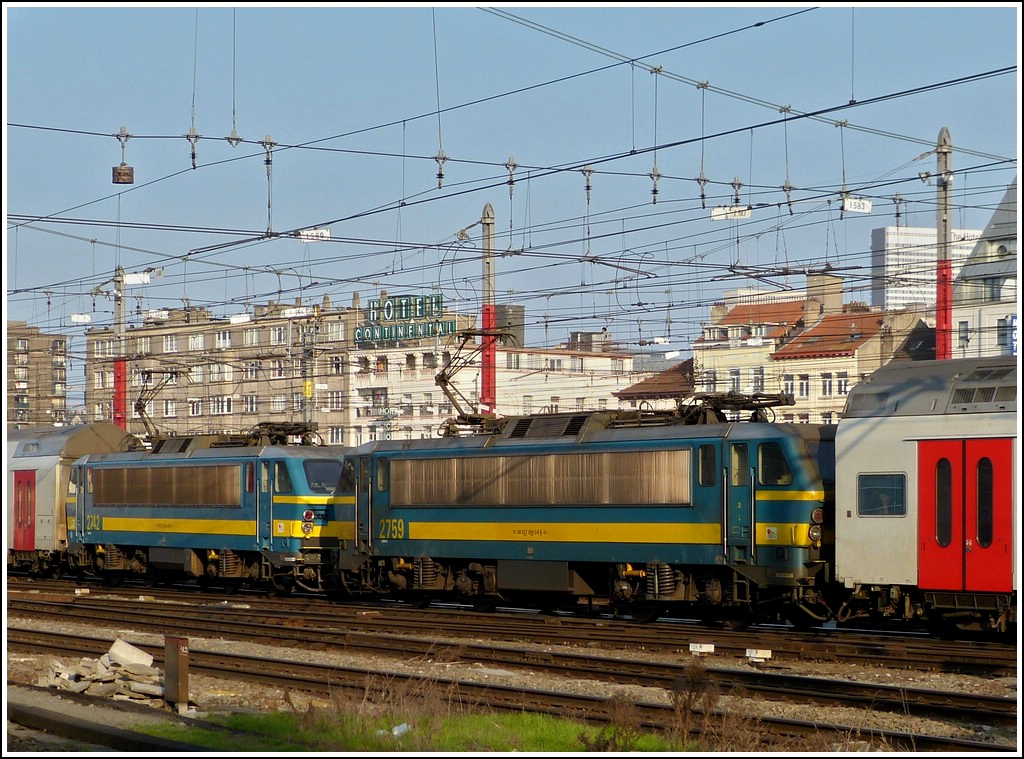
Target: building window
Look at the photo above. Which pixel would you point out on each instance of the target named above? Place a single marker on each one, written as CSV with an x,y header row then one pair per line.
x,y
963,334
555,364
251,337
336,436
223,338
576,364
277,368
410,361
527,404
298,402
278,403
429,360
170,343
579,404
826,384
842,383
98,380
170,408
804,385
382,365
757,379
1003,332
195,374
278,335
252,370
335,400
142,345
337,365
734,380
618,366
196,342
787,384
554,404
220,404
216,372
195,406
251,404
712,380
512,360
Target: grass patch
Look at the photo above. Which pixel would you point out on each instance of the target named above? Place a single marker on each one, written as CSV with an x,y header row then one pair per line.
x,y
391,715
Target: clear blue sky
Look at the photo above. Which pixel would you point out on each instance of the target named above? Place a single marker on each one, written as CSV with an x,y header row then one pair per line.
x,y
822,99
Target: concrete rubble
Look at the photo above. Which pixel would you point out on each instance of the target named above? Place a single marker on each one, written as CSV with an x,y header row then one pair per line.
x,y
124,673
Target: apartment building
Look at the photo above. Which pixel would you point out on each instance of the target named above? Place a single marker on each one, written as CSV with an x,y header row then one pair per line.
x,y
985,292
808,344
37,368
360,373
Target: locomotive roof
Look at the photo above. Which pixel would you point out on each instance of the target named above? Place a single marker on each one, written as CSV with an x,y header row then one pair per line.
x,y
924,388
231,452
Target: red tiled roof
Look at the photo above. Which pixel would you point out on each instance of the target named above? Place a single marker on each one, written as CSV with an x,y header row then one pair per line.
x,y
675,382
783,312
833,335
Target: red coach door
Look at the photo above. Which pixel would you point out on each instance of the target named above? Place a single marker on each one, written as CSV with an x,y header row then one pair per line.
x,y
24,511
965,515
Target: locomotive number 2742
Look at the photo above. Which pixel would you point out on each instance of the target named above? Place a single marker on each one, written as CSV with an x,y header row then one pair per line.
x,y
391,529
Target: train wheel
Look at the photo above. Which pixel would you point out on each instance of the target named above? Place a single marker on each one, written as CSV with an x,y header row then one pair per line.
x,y
740,622
644,614
113,579
485,606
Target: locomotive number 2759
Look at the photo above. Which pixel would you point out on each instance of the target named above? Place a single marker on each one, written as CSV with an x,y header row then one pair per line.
x,y
391,529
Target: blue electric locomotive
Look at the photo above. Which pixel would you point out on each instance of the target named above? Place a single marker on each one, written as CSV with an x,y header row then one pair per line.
x,y
218,509
683,512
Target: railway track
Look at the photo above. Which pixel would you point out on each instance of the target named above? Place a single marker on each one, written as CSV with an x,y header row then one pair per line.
x,y
825,646
328,680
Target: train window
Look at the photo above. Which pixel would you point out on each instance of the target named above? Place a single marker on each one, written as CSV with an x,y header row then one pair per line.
x,y
772,467
943,502
382,475
707,474
88,480
265,478
881,495
984,503
250,477
282,482
323,476
738,465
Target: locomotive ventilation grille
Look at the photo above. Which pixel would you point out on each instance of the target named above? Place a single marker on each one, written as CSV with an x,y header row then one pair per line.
x,y
559,426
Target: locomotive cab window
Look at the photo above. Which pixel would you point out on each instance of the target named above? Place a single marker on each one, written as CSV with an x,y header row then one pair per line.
x,y
323,476
347,481
282,481
382,475
881,495
772,467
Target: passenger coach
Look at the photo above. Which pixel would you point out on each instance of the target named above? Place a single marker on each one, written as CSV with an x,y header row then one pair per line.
x,y
39,463
927,519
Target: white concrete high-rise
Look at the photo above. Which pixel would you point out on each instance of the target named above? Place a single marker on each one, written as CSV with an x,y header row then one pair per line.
x,y
903,262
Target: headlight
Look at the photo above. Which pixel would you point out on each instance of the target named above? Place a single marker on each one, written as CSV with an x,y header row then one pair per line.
x,y
814,532
308,515
818,515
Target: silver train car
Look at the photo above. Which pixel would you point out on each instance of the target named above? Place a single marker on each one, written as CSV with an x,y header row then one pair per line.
x,y
927,512
38,474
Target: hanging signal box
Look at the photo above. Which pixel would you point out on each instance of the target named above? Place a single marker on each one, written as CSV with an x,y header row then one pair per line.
x,y
124,174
